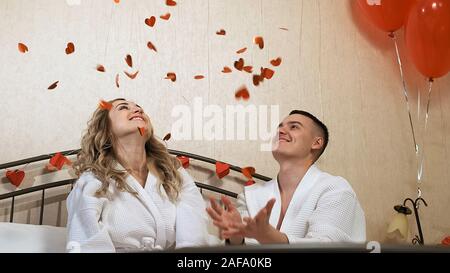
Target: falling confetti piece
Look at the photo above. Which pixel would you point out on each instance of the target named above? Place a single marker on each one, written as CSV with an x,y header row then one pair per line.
x,y
184,161
100,68
221,32
70,48
165,16
257,79
117,1
141,131
248,68
276,62
222,169
171,76
117,80
226,69
249,182
242,50
129,60
199,77
58,161
268,73
283,28
171,3
22,47
104,105
131,76
248,172
242,93
15,177
259,41
239,64
151,46
53,85
167,137
150,21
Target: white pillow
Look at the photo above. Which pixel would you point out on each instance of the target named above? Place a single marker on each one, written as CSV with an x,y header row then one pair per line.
x,y
31,238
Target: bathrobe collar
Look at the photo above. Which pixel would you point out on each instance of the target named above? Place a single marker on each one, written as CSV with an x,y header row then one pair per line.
x,y
147,201
258,195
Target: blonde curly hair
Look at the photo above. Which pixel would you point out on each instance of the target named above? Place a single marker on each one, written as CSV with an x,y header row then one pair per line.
x,y
97,156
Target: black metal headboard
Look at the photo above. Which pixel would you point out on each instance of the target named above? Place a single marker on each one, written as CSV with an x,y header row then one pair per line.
x,y
43,187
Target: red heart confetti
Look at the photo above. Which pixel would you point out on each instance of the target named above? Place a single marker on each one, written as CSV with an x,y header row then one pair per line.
x,y
226,69
221,32
222,169
242,50
129,60
165,16
257,79
53,85
184,160
248,172
249,182
259,41
150,21
22,47
70,48
100,68
171,3
171,76
58,161
248,68
242,93
167,137
131,76
15,177
105,105
267,73
276,62
239,64
151,46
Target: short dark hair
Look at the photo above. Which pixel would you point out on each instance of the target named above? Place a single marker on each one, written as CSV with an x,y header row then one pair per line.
x,y
319,123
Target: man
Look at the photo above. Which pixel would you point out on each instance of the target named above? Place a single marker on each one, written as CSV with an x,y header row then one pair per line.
x,y
303,204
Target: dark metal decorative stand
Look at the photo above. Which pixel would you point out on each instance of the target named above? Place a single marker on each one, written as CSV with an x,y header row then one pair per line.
x,y
405,210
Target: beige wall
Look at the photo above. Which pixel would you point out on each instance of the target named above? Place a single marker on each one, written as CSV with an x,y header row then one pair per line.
x,y
333,65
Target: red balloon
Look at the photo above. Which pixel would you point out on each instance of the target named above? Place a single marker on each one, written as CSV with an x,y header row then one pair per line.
x,y
428,37
387,15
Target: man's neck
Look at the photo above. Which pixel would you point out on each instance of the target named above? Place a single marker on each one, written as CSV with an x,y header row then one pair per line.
x,y
291,173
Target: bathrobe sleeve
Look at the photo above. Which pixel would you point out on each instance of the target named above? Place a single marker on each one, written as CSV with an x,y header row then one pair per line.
x,y
86,233
191,220
333,220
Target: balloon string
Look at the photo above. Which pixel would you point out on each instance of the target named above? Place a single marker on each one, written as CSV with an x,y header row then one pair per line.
x,y
422,152
405,91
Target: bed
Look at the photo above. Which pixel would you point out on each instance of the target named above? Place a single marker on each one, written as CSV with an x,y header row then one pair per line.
x,y
35,235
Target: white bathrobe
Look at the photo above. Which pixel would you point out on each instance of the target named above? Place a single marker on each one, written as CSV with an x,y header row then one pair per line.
x,y
124,222
324,208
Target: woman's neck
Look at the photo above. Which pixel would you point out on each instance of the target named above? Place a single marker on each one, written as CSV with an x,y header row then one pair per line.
x,y
131,154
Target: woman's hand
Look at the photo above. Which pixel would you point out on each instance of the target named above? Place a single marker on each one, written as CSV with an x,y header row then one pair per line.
x,y
225,219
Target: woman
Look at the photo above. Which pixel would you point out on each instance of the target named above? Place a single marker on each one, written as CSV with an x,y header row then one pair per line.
x,y
131,194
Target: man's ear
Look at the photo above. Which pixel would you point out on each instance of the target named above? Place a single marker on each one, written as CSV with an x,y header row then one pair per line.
x,y
318,143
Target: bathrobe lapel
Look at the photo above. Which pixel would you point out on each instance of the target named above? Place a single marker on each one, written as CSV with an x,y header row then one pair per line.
x,y
149,204
258,195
